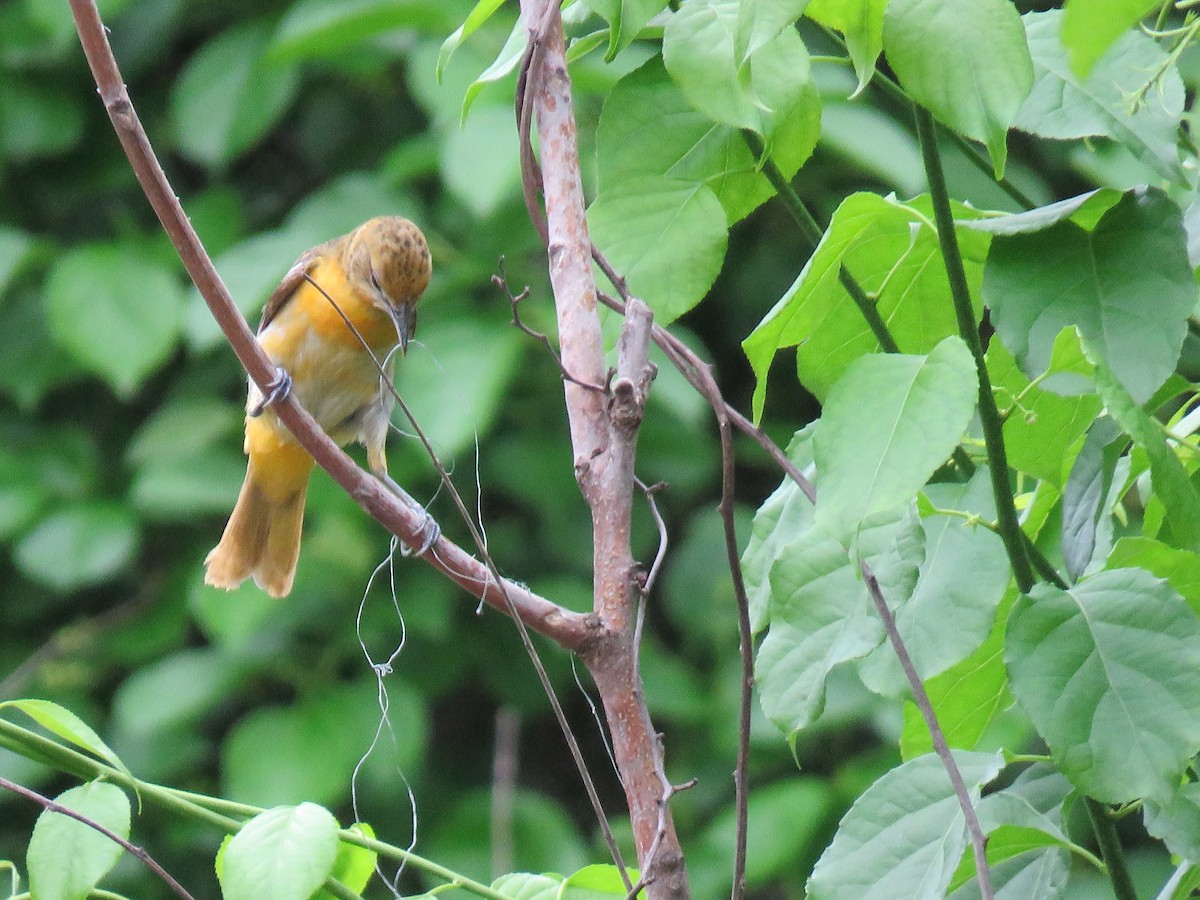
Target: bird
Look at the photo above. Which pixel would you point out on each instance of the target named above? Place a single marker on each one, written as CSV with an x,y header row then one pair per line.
x,y
371,279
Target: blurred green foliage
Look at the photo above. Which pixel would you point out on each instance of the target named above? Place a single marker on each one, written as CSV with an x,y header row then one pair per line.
x,y
282,124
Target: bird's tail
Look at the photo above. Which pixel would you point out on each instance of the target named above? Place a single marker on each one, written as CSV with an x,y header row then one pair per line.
x,y
262,539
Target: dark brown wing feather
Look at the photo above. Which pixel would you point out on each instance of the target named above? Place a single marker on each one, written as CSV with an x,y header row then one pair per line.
x,y
293,279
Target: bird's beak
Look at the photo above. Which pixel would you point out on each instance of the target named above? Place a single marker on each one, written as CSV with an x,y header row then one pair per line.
x,y
405,317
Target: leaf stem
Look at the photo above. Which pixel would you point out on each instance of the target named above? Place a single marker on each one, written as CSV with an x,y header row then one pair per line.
x,y
989,414
1111,851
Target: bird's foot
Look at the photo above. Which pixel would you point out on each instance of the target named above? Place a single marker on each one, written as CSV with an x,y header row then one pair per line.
x,y
277,390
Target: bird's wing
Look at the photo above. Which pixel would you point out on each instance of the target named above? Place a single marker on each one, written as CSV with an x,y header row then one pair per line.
x,y
291,281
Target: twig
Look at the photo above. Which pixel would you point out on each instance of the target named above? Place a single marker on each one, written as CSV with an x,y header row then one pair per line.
x,y
663,537
147,860
989,414
921,698
500,280
567,628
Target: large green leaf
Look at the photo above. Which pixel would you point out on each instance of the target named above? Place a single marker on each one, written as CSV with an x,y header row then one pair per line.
x,y
1135,315
67,858
821,614
967,697
695,150
880,244
888,423
667,237
948,616
64,723
115,310
1177,821
1180,568
1109,103
905,835
229,96
1109,672
966,61
1090,27
285,853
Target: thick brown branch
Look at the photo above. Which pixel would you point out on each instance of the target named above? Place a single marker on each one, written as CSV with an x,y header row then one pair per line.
x,y
404,519
603,437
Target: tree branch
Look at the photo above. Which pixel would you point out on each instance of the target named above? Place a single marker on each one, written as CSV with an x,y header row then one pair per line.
x,y
404,519
603,436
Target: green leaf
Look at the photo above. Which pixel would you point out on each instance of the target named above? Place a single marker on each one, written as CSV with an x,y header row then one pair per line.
x,y
179,489
1113,102
694,150
1109,672
483,181
285,853
354,865
625,19
525,886
196,423
878,241
822,616
597,882
1172,486
1043,431
668,239
68,726
1180,568
1090,27
948,616
22,495
1176,821
228,96
861,21
316,28
784,515
905,835
888,423
506,60
967,697
756,92
1084,209
1041,282
78,546
116,311
966,61
67,858
1084,494
479,14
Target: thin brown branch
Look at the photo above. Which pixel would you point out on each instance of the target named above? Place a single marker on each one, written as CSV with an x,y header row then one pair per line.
x,y
940,746
500,280
146,859
569,629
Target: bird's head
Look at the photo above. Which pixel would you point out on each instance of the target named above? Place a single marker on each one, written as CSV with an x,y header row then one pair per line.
x,y
389,256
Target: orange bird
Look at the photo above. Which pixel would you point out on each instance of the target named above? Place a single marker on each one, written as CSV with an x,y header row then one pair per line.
x,y
375,275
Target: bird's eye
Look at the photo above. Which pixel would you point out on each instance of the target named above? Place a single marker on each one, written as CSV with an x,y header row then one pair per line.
x,y
375,281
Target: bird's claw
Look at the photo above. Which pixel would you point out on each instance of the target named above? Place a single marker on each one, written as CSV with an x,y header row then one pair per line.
x,y
277,390
430,532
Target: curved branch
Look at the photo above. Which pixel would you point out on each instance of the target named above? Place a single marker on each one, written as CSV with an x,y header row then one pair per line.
x,y
405,520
